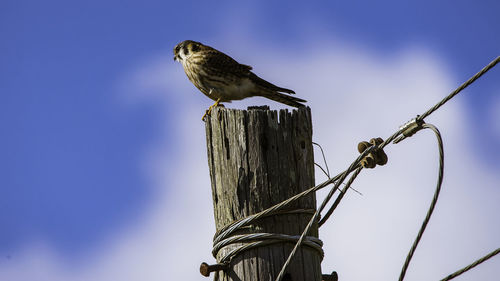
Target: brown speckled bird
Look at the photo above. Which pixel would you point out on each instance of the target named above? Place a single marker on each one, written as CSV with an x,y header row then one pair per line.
x,y
223,79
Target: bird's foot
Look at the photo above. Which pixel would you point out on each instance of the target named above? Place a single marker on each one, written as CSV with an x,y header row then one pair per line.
x,y
209,110
207,113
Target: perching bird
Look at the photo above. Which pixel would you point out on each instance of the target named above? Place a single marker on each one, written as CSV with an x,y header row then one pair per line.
x,y
223,79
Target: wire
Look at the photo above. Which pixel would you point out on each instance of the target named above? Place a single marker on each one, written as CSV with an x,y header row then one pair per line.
x,y
324,172
433,203
327,172
354,165
472,265
324,160
339,198
459,89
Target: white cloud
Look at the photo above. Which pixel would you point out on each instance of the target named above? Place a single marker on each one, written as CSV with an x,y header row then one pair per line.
x,y
355,95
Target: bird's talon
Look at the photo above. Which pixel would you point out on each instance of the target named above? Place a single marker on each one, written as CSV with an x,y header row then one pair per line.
x,y
207,113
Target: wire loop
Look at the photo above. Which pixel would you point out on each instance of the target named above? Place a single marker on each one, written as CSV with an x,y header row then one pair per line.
x,y
433,203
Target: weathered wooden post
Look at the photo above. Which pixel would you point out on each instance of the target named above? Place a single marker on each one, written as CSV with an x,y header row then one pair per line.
x,y
258,158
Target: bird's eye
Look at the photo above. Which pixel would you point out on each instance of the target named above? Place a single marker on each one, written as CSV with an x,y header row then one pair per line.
x,y
195,47
185,50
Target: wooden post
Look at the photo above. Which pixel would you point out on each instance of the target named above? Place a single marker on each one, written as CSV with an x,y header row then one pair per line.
x,y
258,158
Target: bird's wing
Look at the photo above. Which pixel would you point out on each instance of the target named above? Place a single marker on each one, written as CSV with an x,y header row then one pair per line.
x,y
267,85
224,63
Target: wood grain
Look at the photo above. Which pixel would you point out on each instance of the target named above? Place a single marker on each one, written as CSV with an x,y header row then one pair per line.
x,y
258,158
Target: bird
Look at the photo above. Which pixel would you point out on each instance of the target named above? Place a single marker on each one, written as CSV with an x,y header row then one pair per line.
x,y
223,79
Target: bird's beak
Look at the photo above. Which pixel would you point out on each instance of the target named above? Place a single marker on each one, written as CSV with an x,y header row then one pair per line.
x,y
175,58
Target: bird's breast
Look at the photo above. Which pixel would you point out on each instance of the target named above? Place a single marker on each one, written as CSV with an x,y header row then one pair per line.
x,y
238,90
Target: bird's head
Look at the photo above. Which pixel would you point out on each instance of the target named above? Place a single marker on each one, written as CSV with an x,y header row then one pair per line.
x,y
185,49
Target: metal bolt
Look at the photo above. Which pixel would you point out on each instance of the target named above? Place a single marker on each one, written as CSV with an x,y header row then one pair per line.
x,y
205,269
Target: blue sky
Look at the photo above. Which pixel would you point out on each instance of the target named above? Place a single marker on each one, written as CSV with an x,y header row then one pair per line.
x,y
78,136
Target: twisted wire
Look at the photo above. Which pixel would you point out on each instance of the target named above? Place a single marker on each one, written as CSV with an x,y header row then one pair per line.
x,y
433,203
226,231
224,234
459,89
339,198
354,165
254,240
472,265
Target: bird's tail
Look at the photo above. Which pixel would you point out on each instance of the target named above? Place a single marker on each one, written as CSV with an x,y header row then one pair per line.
x,y
283,98
271,91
